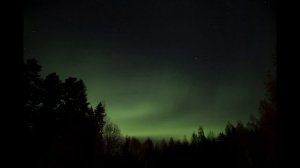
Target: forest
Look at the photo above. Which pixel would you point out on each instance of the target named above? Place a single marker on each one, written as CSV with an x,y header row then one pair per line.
x,y
61,130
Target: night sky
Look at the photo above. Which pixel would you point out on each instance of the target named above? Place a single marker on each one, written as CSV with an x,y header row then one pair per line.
x,y
162,68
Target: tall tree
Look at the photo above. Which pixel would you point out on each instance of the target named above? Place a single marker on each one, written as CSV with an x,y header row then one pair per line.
x,y
33,97
201,135
100,119
52,103
99,122
269,119
194,139
33,94
75,98
112,138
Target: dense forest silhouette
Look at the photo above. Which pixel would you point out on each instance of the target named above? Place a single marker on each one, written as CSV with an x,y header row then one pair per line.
x,y
63,130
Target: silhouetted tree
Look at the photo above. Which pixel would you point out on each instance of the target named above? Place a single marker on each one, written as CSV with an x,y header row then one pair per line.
x,y
201,136
147,152
229,130
171,142
194,139
163,145
254,124
33,95
63,130
185,141
112,138
57,118
211,136
100,119
99,122
134,148
269,120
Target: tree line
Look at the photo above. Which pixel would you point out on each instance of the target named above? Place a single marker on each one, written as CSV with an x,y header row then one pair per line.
x,y
63,130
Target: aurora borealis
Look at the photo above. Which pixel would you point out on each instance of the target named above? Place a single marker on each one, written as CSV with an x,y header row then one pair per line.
x,y
161,68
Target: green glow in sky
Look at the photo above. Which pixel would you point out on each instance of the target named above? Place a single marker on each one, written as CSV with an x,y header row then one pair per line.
x,y
163,102
161,69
